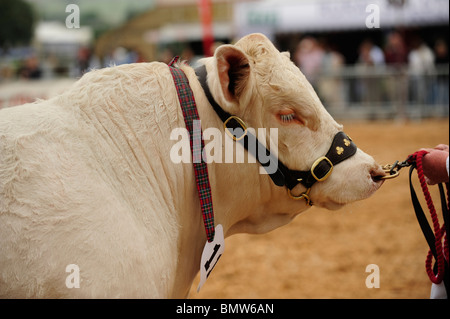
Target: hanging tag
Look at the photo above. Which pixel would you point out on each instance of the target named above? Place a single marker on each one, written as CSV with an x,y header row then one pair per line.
x,y
211,254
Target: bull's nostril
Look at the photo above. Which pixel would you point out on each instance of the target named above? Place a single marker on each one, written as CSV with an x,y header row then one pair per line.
x,y
377,178
377,174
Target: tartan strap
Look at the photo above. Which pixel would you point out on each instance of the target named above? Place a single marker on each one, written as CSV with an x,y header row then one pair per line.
x,y
189,108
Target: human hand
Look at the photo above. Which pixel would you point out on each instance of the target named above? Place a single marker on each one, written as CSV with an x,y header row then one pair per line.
x,y
434,164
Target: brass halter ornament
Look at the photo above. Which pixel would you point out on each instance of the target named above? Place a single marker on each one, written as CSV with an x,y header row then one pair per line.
x,y
305,195
342,147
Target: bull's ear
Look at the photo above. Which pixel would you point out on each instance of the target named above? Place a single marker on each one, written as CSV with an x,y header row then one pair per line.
x,y
233,69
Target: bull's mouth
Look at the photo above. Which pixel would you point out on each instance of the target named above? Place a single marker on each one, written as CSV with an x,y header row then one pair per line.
x,y
375,183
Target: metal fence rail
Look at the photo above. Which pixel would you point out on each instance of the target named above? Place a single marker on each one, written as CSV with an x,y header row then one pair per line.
x,y
367,92
352,92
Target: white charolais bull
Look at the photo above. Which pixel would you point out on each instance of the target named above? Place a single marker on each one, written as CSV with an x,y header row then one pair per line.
x,y
86,177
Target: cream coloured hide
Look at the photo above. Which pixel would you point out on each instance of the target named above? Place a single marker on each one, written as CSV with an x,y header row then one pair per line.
x,y
93,206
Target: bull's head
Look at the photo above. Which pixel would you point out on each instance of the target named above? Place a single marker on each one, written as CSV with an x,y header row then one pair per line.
x,y
256,83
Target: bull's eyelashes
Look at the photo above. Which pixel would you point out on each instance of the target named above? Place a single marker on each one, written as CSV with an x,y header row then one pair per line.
x,y
289,117
286,118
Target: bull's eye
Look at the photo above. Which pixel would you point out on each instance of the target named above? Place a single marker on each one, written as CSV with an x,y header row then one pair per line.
x,y
286,118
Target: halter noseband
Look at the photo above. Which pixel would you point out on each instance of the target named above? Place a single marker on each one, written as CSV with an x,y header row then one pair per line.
x,y
341,148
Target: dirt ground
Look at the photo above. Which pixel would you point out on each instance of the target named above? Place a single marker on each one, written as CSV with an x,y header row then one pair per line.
x,y
324,254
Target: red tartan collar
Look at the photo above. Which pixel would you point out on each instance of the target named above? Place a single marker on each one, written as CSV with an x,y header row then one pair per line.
x,y
189,108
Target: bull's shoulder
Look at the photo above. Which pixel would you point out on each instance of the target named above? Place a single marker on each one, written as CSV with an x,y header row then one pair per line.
x,y
124,78
130,88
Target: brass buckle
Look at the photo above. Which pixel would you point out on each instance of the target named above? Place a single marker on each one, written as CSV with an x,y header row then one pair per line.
x,y
304,195
240,122
392,171
320,159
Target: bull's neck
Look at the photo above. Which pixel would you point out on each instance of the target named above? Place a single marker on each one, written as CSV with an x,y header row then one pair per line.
x,y
237,188
244,200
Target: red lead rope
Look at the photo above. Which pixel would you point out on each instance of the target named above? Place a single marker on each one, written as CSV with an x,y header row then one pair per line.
x,y
441,255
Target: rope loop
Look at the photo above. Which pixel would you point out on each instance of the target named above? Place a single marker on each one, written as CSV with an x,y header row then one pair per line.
x,y
438,231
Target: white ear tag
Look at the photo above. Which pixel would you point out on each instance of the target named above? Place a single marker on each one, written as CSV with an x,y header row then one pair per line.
x,y
211,254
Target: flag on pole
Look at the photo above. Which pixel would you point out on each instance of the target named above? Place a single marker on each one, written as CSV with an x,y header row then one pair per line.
x,y
206,18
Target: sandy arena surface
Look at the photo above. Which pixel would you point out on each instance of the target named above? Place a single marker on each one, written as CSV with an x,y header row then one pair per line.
x,y
324,254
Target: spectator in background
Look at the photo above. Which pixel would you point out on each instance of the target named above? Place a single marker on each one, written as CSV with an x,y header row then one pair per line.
x,y
121,55
140,58
395,52
331,87
30,69
441,52
420,66
166,56
83,59
188,55
396,56
48,65
370,54
440,93
421,58
309,57
369,89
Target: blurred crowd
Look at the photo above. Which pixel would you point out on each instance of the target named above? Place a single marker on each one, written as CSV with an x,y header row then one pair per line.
x,y
315,57
409,68
32,67
51,66
397,69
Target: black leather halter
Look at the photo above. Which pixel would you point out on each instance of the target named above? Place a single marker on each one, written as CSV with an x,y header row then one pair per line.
x,y
341,148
